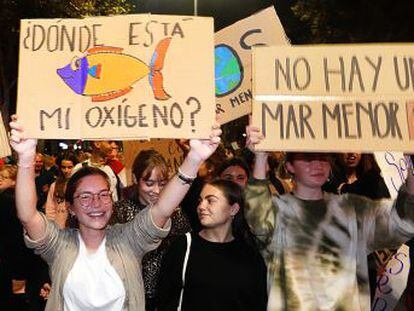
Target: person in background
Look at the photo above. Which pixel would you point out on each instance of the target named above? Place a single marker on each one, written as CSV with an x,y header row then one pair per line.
x,y
100,150
98,266
10,229
44,178
280,181
223,269
357,173
315,243
49,163
234,169
113,160
23,268
151,174
55,207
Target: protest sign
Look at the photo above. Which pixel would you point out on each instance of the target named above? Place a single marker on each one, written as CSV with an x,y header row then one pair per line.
x,y
233,60
334,98
392,281
4,141
128,76
394,169
168,148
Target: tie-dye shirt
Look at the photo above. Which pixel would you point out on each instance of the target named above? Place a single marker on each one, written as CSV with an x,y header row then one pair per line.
x,y
316,251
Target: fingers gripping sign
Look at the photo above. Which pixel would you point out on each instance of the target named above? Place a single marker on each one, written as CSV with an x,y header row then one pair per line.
x,y
25,148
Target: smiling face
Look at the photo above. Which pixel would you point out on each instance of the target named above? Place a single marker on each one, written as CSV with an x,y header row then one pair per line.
x,y
214,211
93,216
149,188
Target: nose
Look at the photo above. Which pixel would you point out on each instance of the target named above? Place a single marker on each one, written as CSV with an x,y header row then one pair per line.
x,y
156,188
201,205
317,163
96,200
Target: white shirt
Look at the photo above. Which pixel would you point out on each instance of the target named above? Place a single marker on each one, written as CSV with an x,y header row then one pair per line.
x,y
93,283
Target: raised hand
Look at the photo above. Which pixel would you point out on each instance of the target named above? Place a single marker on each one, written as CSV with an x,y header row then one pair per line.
x,y
253,137
202,149
25,147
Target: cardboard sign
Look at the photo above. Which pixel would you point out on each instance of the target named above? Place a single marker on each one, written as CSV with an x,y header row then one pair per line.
x,y
392,281
4,140
345,125
128,76
168,148
334,98
233,60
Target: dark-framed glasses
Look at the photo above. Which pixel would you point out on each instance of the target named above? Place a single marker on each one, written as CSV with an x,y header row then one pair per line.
x,y
86,198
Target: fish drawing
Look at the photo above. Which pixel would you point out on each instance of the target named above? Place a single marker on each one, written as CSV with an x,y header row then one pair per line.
x,y
105,73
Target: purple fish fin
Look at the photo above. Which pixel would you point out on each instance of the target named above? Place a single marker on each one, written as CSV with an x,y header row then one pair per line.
x,y
111,95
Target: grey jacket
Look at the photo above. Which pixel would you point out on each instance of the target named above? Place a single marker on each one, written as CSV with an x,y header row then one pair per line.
x,y
126,244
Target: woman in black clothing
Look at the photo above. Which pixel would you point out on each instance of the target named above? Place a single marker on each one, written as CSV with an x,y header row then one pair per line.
x,y
224,270
357,173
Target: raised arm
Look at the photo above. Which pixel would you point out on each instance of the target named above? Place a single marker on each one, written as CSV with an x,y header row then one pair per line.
x,y
259,211
177,187
388,223
26,197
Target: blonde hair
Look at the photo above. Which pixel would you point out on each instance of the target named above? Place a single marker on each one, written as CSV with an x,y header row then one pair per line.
x,y
11,171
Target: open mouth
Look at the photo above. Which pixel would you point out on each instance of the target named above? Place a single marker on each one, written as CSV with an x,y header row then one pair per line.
x,y
96,214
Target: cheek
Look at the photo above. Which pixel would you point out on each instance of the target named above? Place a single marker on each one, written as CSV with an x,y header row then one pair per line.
x,y
144,190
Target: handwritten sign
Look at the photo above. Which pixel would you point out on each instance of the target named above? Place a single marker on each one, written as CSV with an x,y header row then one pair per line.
x,y
334,98
394,168
4,141
392,281
233,60
168,148
129,76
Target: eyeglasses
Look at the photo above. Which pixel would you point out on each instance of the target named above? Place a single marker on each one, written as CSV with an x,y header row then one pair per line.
x,y
86,198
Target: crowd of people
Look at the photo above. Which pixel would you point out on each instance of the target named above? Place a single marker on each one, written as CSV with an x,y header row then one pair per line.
x,y
248,231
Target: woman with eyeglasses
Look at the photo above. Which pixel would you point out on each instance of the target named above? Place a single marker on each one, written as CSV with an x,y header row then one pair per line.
x,y
150,171
98,267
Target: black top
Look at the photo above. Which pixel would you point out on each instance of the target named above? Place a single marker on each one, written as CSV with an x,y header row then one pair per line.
x,y
220,276
370,185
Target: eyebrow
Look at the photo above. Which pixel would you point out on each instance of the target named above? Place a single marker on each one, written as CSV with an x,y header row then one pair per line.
x,y
94,192
211,196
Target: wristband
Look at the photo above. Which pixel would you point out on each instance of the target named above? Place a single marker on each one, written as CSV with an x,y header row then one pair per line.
x,y
186,179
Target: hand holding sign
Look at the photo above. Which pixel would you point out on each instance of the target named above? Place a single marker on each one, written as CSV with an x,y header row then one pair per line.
x,y
25,148
201,150
253,138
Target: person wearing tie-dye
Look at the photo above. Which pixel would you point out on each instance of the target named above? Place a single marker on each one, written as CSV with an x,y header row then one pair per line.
x,y
315,243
